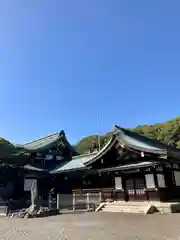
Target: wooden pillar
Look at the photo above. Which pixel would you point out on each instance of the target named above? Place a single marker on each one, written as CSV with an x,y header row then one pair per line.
x,y
126,198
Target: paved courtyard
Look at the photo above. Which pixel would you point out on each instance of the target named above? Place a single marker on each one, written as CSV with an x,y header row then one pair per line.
x,y
92,226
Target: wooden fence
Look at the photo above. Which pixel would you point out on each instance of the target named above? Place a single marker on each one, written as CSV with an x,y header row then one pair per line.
x,y
88,201
75,201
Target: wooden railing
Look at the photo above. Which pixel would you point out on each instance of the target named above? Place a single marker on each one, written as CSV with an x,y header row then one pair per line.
x,y
86,201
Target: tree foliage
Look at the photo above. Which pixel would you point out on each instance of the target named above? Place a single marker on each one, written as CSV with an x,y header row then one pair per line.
x,y
163,132
6,148
91,143
9,153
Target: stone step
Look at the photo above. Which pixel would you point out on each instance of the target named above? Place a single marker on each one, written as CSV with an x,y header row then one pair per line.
x,y
140,207
130,203
3,210
174,208
125,210
142,203
129,208
126,205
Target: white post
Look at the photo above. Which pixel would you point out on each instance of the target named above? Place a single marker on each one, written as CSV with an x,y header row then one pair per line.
x,y
88,206
58,201
100,197
74,202
50,201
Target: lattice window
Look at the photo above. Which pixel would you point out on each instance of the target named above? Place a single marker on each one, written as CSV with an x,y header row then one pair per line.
x,y
130,186
139,186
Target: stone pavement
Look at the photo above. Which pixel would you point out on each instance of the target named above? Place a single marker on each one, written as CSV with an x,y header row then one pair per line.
x,y
93,226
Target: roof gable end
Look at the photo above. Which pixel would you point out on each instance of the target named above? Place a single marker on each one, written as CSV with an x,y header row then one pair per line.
x,y
139,142
47,141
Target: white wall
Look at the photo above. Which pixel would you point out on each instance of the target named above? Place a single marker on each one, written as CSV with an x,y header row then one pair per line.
x,y
177,178
118,183
161,180
150,181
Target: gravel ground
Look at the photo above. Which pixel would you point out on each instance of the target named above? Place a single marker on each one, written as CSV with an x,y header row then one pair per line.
x,y
92,226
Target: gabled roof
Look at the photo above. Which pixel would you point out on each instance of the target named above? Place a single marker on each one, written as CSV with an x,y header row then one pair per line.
x,y
42,142
129,140
77,163
144,144
47,141
139,142
83,161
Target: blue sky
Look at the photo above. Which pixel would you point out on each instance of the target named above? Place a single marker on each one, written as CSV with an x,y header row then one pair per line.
x,y
63,62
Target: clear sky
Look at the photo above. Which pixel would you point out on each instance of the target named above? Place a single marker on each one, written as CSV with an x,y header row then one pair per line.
x,y
64,61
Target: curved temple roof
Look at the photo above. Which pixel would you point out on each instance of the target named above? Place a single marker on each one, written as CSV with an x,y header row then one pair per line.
x,y
126,138
42,142
83,161
145,144
77,163
47,141
139,142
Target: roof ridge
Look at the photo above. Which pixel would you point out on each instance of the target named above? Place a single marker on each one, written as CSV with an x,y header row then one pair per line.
x,y
49,135
84,154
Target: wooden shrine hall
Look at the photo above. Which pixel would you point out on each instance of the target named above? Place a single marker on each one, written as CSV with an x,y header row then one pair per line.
x,y
129,167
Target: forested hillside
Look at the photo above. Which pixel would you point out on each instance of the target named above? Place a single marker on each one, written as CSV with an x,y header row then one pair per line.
x,y
160,131
163,132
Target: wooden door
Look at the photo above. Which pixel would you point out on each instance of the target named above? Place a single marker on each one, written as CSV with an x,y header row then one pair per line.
x,y
130,189
135,189
140,189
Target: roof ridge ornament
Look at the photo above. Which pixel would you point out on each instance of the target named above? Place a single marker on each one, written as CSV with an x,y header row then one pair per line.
x,y
62,133
114,125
